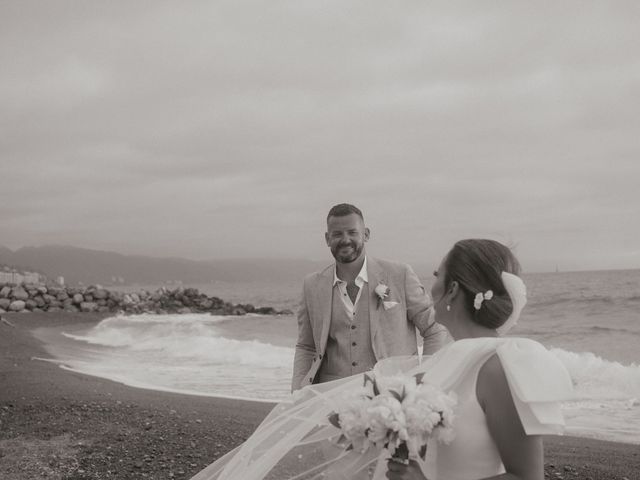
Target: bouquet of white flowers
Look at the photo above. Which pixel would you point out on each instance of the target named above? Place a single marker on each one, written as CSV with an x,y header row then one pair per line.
x,y
398,413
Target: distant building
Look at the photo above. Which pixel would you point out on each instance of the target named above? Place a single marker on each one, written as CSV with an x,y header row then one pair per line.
x,y
15,277
31,277
6,277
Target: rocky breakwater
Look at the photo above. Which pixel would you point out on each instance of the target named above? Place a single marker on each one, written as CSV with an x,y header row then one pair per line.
x,y
43,298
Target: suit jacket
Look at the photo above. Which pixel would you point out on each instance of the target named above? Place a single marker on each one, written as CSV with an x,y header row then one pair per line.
x,y
393,330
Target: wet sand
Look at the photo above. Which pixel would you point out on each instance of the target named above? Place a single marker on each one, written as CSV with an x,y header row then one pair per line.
x,y
58,424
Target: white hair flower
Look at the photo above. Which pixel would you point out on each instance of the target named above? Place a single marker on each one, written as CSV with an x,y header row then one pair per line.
x,y
481,297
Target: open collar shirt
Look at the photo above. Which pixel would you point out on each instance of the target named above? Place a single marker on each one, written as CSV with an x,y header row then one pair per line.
x,y
361,279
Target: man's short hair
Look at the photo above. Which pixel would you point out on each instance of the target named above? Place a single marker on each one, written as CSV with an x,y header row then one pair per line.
x,y
344,209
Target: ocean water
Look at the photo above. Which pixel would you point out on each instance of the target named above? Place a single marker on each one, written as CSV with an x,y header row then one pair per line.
x,y
589,320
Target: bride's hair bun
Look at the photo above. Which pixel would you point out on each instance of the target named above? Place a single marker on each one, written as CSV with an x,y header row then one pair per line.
x,y
477,266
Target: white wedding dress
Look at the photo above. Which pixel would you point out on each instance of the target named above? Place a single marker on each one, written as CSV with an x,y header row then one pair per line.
x,y
537,380
297,442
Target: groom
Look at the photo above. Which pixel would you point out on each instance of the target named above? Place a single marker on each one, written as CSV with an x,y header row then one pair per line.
x,y
358,310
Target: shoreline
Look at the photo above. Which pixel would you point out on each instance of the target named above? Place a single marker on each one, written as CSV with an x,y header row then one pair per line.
x,y
57,423
160,389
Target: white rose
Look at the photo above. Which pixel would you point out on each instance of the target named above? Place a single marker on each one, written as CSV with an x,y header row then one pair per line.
x,y
382,290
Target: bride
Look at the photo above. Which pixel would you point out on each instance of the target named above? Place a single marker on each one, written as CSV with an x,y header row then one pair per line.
x,y
508,392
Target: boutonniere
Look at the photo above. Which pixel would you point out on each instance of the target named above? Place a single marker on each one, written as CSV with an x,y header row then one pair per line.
x,y
382,292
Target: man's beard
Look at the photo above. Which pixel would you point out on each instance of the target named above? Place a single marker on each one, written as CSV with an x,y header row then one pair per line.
x,y
349,258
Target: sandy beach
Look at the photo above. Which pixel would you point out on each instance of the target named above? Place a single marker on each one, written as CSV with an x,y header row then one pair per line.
x,y
57,424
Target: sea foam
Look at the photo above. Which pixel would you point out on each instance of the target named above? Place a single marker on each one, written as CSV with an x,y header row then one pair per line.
x,y
596,378
184,338
230,357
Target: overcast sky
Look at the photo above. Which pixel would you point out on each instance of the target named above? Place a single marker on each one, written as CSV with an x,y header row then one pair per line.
x,y
228,129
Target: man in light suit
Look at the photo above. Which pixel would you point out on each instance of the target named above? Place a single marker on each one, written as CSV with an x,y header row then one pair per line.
x,y
358,310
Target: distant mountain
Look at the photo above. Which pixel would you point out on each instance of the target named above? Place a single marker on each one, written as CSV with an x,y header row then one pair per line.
x,y
95,266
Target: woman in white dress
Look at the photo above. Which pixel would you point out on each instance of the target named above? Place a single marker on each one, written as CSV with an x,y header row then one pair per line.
x,y
498,436
508,392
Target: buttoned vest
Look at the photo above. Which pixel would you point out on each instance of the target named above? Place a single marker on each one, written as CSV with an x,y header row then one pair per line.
x,y
349,349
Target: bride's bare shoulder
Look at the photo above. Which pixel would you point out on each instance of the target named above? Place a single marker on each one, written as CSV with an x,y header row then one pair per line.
x,y
492,386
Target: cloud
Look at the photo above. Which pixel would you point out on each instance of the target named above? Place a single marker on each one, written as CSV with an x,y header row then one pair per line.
x,y
229,129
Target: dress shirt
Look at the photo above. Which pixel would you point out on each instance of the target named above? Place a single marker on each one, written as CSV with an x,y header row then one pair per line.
x,y
361,279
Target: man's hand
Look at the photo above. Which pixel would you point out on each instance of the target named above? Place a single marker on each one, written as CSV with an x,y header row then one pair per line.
x,y
399,471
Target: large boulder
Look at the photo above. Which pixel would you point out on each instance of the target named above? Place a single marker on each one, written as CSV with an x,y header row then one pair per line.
x,y
191,292
55,291
4,303
187,301
17,306
205,304
78,298
249,308
5,291
30,304
19,293
116,296
49,299
88,307
265,310
101,294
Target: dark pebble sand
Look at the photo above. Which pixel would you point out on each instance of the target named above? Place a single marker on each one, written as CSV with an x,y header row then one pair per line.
x,y
56,424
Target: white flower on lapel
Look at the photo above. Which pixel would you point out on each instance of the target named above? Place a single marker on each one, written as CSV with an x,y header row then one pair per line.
x,y
382,291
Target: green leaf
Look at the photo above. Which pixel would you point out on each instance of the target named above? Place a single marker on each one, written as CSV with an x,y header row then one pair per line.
x,y
423,452
372,379
367,379
396,395
334,419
